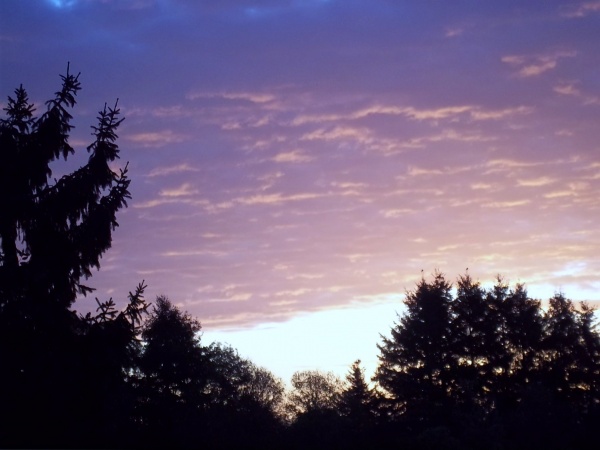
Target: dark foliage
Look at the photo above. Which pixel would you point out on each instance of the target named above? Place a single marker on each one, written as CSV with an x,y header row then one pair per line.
x,y
487,368
416,363
188,392
63,377
357,406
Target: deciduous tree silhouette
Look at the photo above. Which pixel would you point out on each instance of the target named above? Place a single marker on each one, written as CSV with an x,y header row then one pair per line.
x,y
312,407
189,392
313,390
237,384
244,398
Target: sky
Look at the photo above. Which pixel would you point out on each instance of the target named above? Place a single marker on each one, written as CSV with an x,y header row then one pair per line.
x,y
298,165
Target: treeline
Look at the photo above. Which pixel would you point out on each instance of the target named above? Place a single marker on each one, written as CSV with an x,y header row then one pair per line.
x,y
491,367
463,368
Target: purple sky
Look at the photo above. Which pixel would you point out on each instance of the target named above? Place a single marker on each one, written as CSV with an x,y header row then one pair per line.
x,y
295,156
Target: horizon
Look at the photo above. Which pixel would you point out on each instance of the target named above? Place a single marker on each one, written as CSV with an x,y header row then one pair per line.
x,y
297,165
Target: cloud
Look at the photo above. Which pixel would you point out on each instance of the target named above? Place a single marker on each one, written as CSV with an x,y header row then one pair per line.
x,y
358,257
186,253
567,89
582,10
293,293
500,113
437,113
536,182
572,90
533,70
506,164
170,200
395,213
481,186
211,235
535,65
182,191
242,297
506,204
415,171
170,170
269,180
252,97
348,184
350,188
305,276
283,303
276,199
338,132
411,112
452,134
156,138
294,156
453,32
560,194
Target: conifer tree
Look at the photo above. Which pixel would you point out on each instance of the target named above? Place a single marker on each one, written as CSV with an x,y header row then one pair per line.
x,y
356,400
474,340
571,366
416,362
519,327
54,232
52,235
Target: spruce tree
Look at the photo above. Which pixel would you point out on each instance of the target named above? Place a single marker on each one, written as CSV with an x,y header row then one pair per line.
x,y
416,362
52,236
516,361
474,342
356,402
571,364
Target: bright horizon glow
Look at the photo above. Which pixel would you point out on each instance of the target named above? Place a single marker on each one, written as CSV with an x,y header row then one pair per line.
x,y
324,340
296,165
332,340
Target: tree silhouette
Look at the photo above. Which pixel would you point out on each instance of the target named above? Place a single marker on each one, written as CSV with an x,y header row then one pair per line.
x,y
237,384
490,366
313,409
187,391
52,235
313,390
417,360
521,336
110,348
243,397
172,355
475,341
571,363
356,400
357,406
172,376
264,389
